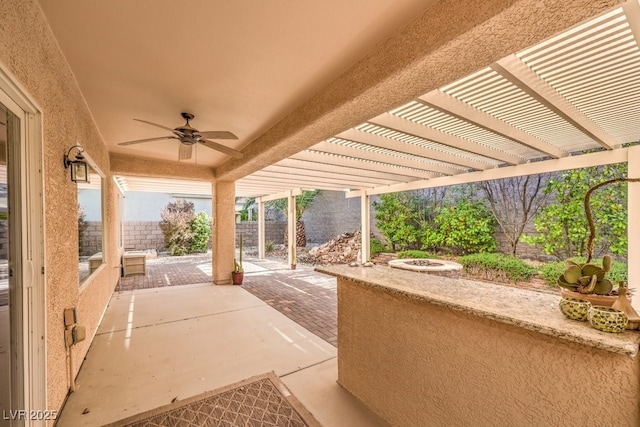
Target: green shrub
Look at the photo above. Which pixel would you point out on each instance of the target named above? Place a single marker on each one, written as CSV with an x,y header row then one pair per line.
x,y
184,231
497,267
268,247
82,227
176,226
201,230
466,227
551,271
561,225
376,247
415,254
399,219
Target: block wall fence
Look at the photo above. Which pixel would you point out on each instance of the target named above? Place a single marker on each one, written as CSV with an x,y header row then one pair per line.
x,y
331,214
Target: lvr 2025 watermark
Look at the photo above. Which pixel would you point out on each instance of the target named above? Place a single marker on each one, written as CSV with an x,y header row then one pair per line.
x,y
32,415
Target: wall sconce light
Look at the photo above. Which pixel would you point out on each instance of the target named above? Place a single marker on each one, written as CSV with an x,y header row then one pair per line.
x,y
79,168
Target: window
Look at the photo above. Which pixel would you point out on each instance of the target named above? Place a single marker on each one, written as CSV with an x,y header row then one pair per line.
x,y
90,223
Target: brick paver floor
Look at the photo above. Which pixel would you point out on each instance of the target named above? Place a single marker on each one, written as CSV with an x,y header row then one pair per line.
x,y
304,296
170,271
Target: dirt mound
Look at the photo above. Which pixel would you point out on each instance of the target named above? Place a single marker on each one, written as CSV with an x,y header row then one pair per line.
x,y
342,249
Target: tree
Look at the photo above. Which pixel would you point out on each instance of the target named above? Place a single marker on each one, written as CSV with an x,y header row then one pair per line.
x,y
201,230
82,227
176,226
562,225
465,226
398,220
514,202
303,201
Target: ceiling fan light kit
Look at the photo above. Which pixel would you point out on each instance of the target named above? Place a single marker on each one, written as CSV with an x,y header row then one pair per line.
x,y
189,136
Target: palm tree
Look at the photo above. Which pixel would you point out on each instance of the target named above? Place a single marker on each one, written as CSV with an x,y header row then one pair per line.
x,y
303,201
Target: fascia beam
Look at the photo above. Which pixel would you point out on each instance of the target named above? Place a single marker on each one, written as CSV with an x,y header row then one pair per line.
x,y
358,153
632,10
281,195
358,163
341,170
421,131
518,73
293,183
463,111
270,176
554,165
322,176
414,150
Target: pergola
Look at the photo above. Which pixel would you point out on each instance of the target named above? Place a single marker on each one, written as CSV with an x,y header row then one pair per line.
x,y
571,101
567,102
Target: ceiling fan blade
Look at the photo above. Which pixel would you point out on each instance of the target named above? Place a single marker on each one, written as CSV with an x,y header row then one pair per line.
x,y
217,134
185,151
138,141
221,148
156,125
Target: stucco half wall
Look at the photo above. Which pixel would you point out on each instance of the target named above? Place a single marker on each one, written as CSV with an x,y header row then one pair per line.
x,y
421,364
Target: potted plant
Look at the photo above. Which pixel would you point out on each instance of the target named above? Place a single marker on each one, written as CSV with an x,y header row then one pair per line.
x,y
588,281
237,275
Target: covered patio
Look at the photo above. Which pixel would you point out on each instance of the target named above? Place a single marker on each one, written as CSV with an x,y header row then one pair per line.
x,y
362,97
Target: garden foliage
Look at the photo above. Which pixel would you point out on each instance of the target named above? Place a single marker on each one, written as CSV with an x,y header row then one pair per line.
x,y
376,247
415,254
459,224
561,225
184,231
551,271
201,230
466,227
497,267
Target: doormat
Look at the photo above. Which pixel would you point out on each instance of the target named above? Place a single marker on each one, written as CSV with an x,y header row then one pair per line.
x,y
262,400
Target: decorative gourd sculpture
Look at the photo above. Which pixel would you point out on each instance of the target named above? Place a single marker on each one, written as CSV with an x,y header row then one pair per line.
x,y
587,278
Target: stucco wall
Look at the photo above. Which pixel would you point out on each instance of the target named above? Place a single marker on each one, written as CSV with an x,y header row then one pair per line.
x,y
418,364
29,52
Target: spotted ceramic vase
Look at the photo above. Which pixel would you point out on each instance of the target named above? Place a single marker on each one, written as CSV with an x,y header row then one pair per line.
x,y
607,319
575,309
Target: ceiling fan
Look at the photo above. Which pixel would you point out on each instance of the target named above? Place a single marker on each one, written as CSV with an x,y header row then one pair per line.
x,y
189,136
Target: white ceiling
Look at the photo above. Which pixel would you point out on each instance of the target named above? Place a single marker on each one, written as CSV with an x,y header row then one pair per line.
x,y
237,65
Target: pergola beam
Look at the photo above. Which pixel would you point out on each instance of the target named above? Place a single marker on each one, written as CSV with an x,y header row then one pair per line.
x,y
412,128
378,141
288,171
281,195
358,163
342,170
343,150
632,10
315,178
554,165
291,183
456,108
518,73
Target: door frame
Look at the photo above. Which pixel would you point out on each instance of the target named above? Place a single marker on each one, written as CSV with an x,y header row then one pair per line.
x,y
29,394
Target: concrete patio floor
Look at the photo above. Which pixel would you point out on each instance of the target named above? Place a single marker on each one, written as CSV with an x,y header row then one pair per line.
x,y
158,344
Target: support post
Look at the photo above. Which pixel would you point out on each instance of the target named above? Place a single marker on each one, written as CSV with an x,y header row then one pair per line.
x,y
365,227
261,229
633,226
223,241
291,230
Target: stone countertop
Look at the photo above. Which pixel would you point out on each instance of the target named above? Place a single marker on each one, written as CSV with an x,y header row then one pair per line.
x,y
527,309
